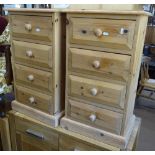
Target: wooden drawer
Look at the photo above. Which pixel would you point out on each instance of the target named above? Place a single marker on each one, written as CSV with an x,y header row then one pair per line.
x,y
33,77
67,143
27,142
33,136
33,54
114,66
98,92
34,99
97,117
107,33
37,28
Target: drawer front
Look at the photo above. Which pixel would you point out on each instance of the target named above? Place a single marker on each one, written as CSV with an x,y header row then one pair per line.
x,y
67,143
33,54
114,66
32,27
34,99
101,118
98,92
33,77
36,134
107,33
26,142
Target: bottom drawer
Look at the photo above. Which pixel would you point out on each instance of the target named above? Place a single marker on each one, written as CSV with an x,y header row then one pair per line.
x,y
33,136
97,117
34,99
67,143
29,143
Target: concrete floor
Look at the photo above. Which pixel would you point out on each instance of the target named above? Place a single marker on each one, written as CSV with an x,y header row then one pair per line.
x,y
145,109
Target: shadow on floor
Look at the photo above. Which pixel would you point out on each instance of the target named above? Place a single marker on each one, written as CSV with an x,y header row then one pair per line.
x,y
145,109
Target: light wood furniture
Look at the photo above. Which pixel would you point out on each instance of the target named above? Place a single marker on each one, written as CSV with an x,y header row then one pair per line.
x,y
146,82
30,134
118,7
103,50
5,134
150,33
36,50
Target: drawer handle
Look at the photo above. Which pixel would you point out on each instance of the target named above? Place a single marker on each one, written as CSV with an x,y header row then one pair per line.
x,y
96,64
123,31
105,33
32,100
29,53
28,27
34,133
30,77
93,91
98,32
92,117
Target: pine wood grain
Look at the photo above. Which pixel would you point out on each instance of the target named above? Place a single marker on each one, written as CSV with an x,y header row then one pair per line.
x,y
42,101
113,66
5,134
107,93
42,80
41,54
82,32
107,120
41,27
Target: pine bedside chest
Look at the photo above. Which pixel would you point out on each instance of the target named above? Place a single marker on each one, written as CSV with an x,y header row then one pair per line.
x,y
36,50
104,50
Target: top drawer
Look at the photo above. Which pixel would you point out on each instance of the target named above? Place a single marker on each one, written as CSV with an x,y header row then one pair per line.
x,y
32,27
107,33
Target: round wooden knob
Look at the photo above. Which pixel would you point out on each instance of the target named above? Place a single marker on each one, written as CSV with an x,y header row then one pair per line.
x,y
30,77
93,91
98,32
32,100
96,64
28,27
92,117
29,53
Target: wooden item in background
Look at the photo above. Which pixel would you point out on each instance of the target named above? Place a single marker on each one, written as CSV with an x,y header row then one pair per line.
x,y
5,134
150,35
146,82
152,51
153,36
